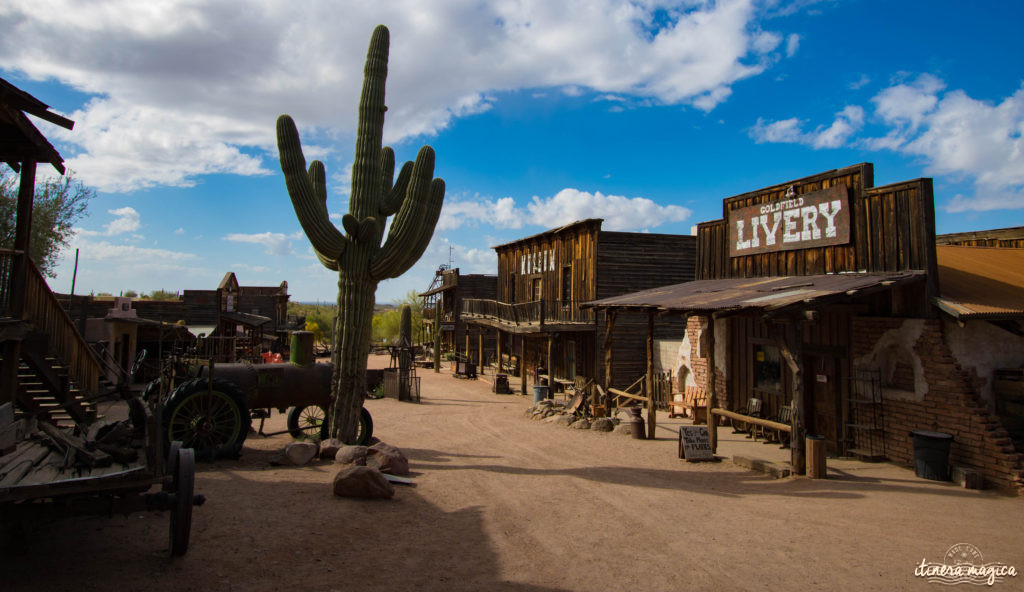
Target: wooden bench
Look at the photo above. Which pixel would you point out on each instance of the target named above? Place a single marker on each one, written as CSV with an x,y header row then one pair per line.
x,y
694,404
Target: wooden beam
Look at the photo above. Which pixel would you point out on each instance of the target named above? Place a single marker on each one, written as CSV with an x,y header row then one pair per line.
x,y
782,427
549,365
652,413
608,342
480,352
710,382
498,349
522,363
790,341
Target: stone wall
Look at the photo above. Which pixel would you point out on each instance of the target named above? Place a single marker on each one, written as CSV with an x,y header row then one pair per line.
x,y
945,398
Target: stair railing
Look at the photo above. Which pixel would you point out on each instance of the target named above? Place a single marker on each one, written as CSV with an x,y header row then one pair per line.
x,y
39,306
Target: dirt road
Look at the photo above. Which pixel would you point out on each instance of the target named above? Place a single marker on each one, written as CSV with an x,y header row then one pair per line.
x,y
504,503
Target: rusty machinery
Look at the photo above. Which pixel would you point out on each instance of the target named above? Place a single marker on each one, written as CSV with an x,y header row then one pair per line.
x,y
214,415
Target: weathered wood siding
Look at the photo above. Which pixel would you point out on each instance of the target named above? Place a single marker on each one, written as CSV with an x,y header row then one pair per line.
x,y
629,262
573,247
892,229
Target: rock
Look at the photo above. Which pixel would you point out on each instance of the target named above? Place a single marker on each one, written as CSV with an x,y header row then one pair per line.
x,y
565,420
603,424
624,429
358,481
580,424
387,459
300,453
351,455
329,447
553,418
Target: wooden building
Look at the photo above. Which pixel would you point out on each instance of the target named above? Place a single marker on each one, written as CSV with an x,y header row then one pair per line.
x,y
444,298
826,295
47,370
542,281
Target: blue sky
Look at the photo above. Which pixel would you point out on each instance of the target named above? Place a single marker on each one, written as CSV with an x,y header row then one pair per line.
x,y
644,113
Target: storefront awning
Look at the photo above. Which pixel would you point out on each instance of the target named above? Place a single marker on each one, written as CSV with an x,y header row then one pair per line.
x,y
756,294
981,282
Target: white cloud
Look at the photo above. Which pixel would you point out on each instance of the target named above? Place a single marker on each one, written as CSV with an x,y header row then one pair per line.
x,y
179,231
618,212
459,212
126,220
954,135
792,44
275,243
861,82
790,131
183,89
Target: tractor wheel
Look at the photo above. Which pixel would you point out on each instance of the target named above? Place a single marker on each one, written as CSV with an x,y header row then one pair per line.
x,y
307,422
366,429
213,421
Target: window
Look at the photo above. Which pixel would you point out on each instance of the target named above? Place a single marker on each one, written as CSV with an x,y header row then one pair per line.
x,y
566,285
536,289
767,368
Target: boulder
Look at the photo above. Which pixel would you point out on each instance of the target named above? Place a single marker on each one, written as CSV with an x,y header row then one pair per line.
x,y
603,424
580,424
565,420
553,418
329,447
351,455
358,481
387,459
624,429
300,453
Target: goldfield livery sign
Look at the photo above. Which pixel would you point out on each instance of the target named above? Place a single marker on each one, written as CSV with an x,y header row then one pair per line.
x,y
817,219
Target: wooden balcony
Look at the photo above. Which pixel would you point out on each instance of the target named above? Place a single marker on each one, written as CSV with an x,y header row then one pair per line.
x,y
539,316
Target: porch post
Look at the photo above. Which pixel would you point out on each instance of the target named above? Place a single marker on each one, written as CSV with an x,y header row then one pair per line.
x,y
498,349
652,413
710,384
551,370
522,363
480,351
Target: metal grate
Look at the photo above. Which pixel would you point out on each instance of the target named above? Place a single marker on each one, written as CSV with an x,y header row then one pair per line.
x,y
865,427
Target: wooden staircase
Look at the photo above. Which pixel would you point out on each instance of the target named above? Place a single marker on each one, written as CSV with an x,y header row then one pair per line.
x,y
59,376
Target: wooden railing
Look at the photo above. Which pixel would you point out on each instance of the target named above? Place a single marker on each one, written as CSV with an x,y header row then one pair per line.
x,y
41,307
538,312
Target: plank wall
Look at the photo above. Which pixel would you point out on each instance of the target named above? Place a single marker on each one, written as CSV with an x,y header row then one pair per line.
x,y
892,229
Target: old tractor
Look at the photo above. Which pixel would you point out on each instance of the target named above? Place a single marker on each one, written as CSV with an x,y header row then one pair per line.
x,y
210,407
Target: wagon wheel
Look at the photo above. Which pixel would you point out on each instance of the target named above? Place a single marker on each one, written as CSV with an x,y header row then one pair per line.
x,y
171,468
213,421
181,512
366,428
307,422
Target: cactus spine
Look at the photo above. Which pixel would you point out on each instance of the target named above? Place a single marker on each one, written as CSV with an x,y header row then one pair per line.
x,y
414,198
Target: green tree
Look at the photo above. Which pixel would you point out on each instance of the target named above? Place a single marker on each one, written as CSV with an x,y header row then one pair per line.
x,y
131,294
58,204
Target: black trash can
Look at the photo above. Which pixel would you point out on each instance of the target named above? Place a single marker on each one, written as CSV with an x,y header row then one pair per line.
x,y
931,454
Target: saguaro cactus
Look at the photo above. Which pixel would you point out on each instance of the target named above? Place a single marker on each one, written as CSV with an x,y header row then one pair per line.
x,y
358,256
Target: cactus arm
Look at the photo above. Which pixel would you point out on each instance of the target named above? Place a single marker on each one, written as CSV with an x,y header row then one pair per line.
x,y
410,231
406,224
393,200
387,168
306,198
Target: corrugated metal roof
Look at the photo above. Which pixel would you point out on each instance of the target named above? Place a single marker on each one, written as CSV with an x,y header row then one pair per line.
x,y
765,293
981,282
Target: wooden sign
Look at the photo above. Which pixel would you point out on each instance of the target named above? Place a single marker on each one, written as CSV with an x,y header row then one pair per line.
x,y
694,444
816,219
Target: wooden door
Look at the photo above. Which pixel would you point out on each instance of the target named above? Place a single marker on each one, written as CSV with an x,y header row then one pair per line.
x,y
822,384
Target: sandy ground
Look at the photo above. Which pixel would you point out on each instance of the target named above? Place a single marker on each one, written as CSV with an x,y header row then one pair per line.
x,y
504,503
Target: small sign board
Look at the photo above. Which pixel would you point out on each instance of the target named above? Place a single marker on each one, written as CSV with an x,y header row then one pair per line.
x,y
694,444
816,219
